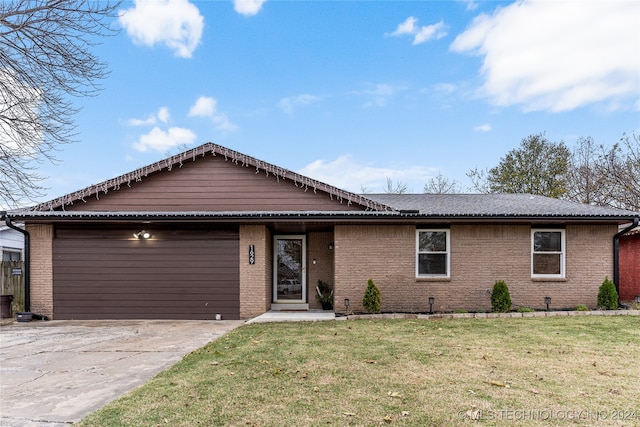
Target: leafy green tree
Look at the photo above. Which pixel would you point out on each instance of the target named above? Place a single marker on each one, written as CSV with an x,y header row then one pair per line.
x,y
538,166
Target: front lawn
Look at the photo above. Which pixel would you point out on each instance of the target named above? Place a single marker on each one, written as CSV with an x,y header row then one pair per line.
x,y
520,372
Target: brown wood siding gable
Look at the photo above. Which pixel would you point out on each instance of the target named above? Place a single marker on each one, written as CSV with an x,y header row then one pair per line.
x,y
212,184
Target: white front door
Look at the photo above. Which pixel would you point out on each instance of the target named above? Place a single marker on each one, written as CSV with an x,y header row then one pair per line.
x,y
290,269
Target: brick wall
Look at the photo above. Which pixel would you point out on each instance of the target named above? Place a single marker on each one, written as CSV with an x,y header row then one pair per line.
x,y
41,264
480,255
629,267
255,279
318,249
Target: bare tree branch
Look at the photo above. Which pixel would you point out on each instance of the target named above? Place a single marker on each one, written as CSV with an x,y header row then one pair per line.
x,y
441,185
45,57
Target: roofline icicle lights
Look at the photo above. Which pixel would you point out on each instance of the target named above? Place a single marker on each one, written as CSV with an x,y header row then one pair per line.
x,y
300,181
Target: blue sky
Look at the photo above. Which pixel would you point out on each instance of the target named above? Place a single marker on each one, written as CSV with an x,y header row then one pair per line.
x,y
354,92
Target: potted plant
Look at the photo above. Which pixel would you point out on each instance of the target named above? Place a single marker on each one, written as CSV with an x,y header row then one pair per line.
x,y
325,295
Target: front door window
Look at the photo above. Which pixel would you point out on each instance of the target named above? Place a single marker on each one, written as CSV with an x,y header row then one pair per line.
x,y
289,269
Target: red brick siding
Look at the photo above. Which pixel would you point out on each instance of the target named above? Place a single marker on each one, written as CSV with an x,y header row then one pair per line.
x,y
629,267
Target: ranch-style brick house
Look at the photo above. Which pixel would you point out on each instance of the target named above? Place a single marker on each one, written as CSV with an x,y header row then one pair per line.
x,y
214,231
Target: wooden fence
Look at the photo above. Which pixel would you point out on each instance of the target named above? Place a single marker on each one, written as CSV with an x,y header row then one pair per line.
x,y
12,282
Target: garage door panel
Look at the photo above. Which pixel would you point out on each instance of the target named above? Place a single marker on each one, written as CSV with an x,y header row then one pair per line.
x,y
101,278
134,273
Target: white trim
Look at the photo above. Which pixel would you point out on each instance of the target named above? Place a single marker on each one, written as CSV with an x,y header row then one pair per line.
x,y
447,252
562,253
275,268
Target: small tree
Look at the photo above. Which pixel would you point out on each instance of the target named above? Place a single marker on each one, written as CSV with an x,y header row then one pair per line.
x,y
607,295
500,298
371,299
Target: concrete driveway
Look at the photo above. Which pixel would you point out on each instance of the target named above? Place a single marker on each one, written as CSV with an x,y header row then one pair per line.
x,y
55,373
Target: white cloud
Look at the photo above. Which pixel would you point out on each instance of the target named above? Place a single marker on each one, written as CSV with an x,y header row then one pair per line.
x,y
288,104
378,94
206,106
407,27
162,115
174,23
470,4
350,175
420,34
161,140
558,55
248,7
483,128
428,32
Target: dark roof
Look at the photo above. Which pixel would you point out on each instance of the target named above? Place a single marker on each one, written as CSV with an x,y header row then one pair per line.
x,y
495,205
392,207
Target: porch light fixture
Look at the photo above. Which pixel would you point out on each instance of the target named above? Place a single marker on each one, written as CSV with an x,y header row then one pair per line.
x,y
331,246
431,301
142,234
547,301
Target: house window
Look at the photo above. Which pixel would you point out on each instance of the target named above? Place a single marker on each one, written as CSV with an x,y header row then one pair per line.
x,y
8,255
432,253
547,253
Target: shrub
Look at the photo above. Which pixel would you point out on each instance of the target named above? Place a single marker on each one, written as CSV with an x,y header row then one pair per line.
x,y
582,307
371,299
525,310
607,295
500,298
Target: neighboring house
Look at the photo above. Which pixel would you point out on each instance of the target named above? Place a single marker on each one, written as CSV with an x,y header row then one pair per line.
x,y
11,244
630,265
213,231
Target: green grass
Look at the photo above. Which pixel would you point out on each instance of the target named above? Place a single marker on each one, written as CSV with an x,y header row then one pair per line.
x,y
531,371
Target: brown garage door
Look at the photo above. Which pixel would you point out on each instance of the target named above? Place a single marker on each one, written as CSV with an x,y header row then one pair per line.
x,y
106,273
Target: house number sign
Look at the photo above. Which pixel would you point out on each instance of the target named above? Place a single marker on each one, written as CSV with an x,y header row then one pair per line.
x,y
252,254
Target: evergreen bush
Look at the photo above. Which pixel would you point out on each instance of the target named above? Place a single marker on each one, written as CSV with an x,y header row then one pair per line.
x,y
371,299
500,298
607,295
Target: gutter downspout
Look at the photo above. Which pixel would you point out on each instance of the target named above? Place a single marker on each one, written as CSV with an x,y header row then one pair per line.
x,y
27,257
616,252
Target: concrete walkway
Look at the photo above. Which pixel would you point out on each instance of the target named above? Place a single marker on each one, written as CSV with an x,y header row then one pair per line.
x,y
55,373
294,316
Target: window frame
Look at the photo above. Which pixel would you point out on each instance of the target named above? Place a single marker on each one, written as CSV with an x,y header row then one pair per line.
x,y
447,252
562,253
11,251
